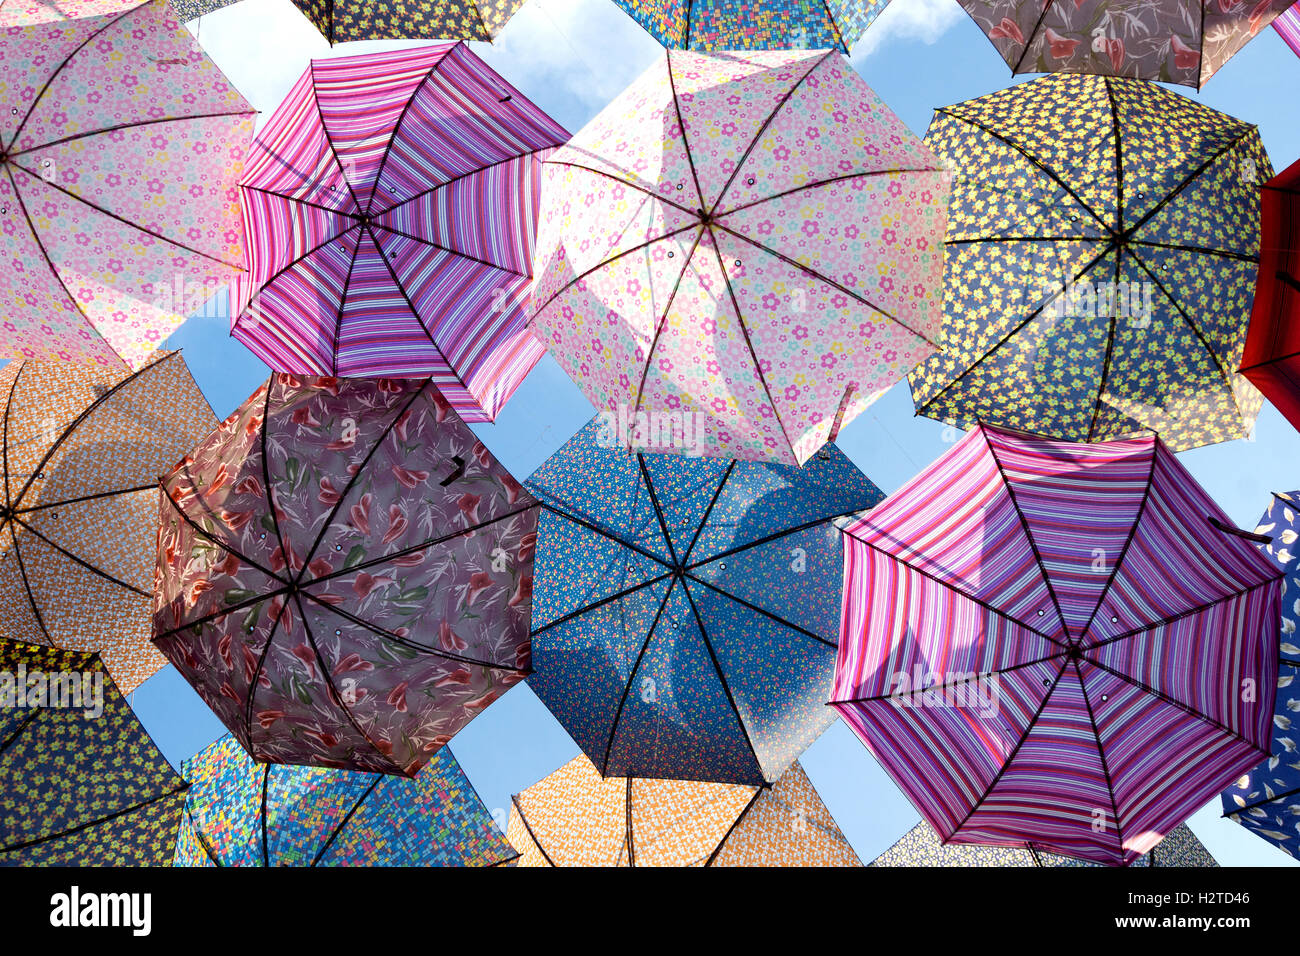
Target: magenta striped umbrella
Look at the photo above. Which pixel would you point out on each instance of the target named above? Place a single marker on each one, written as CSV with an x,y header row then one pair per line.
x,y
391,208
1287,25
1063,646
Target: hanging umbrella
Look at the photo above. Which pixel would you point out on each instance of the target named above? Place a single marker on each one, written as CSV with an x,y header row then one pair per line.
x,y
1184,42
391,225
921,846
1266,800
82,451
686,618
118,198
751,237
242,813
1287,24
1103,239
81,783
342,20
378,607
575,817
1272,356
764,25
1051,643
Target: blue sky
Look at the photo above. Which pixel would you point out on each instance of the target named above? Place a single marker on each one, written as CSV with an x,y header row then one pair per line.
x,y
571,57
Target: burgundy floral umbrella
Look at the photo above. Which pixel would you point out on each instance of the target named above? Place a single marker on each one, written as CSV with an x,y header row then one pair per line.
x,y
382,602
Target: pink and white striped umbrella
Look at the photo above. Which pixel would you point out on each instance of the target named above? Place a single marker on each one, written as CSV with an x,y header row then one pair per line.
x,y
1059,645
120,147
1287,24
391,207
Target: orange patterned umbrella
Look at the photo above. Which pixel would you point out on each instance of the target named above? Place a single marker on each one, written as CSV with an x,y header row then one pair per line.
x,y
82,451
575,817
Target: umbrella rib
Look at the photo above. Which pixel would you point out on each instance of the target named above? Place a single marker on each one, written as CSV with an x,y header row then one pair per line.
x,y
758,791
447,249
603,601
205,534
1006,338
256,679
627,688
1024,51
661,325
654,503
1024,526
92,823
1203,250
835,27
898,695
1188,181
27,586
966,242
838,286
9,404
686,40
776,108
1174,618
1119,258
266,782
320,115
62,66
1262,803
681,123
955,590
298,201
22,725
754,607
80,499
749,344
343,301
229,609
203,840
320,854
813,184
769,537
1200,58
631,836
302,258
601,531
266,480
717,667
1128,541
459,176
514,799
694,214
85,564
132,125
708,512
1101,753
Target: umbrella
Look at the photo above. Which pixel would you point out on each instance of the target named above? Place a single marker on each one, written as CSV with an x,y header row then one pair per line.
x,y
342,20
1272,355
118,198
81,783
686,618
1102,246
753,238
1287,24
82,451
242,813
921,846
391,225
1183,42
1266,800
1061,644
575,817
764,25
378,607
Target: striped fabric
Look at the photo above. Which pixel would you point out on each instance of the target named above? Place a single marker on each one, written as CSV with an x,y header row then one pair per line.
x,y
1057,643
1288,26
391,205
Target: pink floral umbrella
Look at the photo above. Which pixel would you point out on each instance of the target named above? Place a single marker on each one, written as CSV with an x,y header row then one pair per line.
x,y
382,602
120,145
752,238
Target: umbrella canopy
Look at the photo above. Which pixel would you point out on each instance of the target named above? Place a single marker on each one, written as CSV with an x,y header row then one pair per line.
x,y
686,619
1272,356
1287,24
82,451
378,607
1185,41
1266,800
575,817
118,194
391,225
242,813
1064,645
1102,246
753,238
342,20
921,846
81,783
762,25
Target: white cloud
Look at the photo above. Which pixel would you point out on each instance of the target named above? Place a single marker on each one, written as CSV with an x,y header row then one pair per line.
x,y
924,20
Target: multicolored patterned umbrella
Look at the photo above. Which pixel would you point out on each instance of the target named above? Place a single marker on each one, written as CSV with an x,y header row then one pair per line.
x,y
378,607
753,238
120,151
921,846
81,783
762,25
1287,24
82,451
1185,41
575,817
1272,355
1064,645
1102,245
391,207
342,20
685,618
242,813
1266,800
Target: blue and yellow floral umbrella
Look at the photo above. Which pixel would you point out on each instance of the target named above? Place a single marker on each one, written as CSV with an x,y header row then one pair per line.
x,y
757,25
243,813
686,609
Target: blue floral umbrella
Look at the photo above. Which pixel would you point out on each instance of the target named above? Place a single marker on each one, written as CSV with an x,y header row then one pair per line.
x,y
1267,800
686,610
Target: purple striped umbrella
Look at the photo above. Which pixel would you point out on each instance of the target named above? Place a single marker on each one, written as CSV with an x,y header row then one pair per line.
x,y
391,207
1059,645
1287,25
